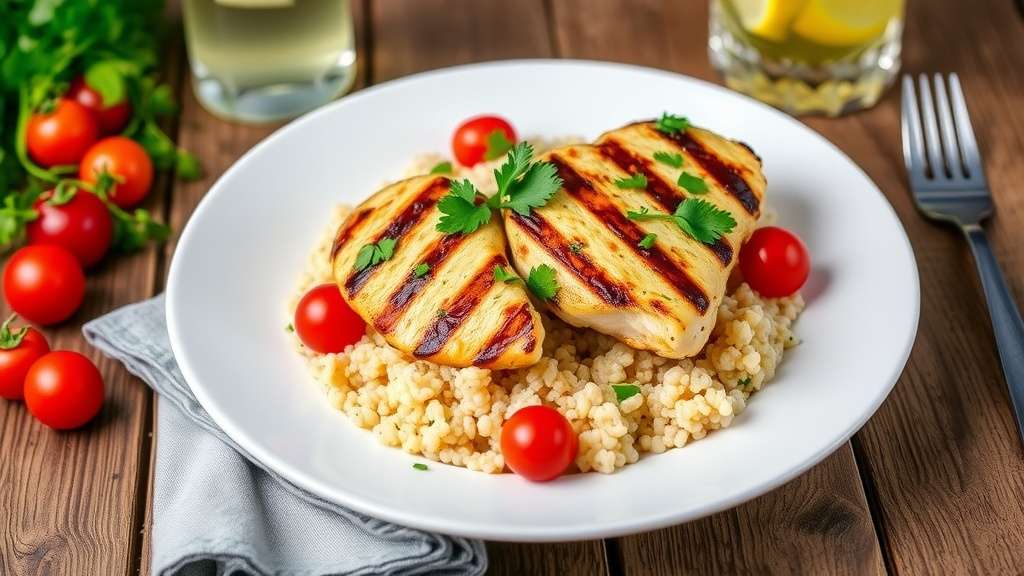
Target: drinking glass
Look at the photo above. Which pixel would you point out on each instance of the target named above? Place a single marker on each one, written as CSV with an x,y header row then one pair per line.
x,y
808,56
267,60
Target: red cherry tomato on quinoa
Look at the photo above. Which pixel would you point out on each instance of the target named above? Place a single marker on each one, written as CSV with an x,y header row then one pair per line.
x,y
82,225
127,162
538,443
469,143
18,351
775,262
44,283
324,321
111,119
61,136
63,390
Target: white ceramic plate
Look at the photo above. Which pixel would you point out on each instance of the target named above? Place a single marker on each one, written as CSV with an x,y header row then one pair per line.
x,y
240,255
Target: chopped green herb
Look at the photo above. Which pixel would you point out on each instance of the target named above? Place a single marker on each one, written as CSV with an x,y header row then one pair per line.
x,y
420,466
373,254
289,328
542,282
421,270
693,184
576,247
444,167
441,313
647,241
672,124
497,145
698,218
743,382
635,181
502,275
625,391
459,211
673,160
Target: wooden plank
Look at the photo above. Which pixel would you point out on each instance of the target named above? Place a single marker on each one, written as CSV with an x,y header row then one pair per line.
x,y
410,37
71,501
943,451
819,523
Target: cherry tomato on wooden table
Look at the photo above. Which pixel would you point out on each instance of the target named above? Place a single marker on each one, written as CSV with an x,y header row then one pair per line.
x,y
60,136
775,262
44,283
127,162
76,220
64,390
482,138
111,118
19,349
324,321
538,443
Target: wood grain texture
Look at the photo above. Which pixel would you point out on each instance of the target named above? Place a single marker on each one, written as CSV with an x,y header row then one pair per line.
x,y
819,523
72,502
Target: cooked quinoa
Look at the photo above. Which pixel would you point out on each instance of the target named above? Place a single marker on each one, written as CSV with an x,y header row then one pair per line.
x,y
454,415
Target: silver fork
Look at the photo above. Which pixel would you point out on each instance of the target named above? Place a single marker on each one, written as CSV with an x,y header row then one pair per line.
x,y
948,182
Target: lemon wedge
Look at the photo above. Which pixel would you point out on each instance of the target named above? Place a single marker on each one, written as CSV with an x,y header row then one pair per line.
x,y
845,23
769,19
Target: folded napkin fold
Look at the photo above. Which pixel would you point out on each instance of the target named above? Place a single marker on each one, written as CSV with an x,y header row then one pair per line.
x,y
217,511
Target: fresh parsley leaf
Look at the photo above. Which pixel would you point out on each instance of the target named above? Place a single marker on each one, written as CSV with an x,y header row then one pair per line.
x,y
693,184
421,270
502,275
373,254
497,145
625,391
515,165
672,124
542,282
442,168
420,466
673,160
459,211
702,220
648,241
537,186
635,181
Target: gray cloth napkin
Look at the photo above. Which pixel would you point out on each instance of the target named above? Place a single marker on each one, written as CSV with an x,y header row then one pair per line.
x,y
217,511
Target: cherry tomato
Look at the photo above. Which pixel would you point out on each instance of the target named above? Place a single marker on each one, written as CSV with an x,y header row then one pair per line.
x,y
18,350
324,321
61,136
82,225
469,143
538,443
44,283
774,262
111,119
63,390
127,162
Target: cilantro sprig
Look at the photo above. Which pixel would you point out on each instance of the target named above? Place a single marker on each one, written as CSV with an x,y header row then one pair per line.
x,y
669,158
497,145
522,186
625,391
647,241
692,184
672,124
421,270
542,282
373,254
636,181
700,219
444,167
502,275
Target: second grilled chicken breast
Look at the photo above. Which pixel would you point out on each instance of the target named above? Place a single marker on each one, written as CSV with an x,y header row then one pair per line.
x,y
454,313
663,298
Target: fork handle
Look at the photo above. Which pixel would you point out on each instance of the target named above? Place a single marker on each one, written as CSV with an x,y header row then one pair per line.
x,y
1006,321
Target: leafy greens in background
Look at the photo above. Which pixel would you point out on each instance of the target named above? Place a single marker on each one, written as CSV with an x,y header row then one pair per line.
x,y
44,44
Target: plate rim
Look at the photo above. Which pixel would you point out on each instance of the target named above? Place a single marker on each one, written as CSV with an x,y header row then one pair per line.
x,y
606,529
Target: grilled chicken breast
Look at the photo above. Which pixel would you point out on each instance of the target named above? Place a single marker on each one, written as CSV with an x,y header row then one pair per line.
x,y
456,314
664,299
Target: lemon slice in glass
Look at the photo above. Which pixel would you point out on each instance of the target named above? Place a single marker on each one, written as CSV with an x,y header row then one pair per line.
x,y
769,19
845,22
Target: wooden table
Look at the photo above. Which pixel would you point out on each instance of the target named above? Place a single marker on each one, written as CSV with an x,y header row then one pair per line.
x,y
934,483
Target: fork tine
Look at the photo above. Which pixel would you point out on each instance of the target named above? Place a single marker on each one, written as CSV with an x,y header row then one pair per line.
x,y
910,122
965,134
956,168
931,129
